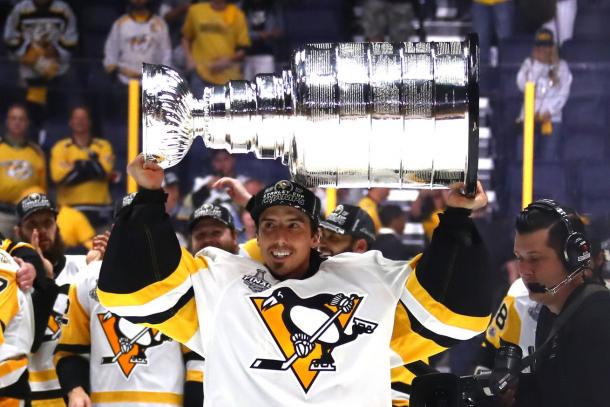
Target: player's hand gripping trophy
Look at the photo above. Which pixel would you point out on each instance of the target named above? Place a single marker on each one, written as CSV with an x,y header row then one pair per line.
x,y
399,115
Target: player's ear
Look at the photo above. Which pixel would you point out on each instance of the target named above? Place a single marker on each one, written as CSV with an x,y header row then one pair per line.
x,y
360,246
315,237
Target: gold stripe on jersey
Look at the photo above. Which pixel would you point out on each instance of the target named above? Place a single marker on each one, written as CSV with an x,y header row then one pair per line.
x,y
42,376
136,397
187,266
443,314
505,325
49,403
194,376
9,402
13,367
407,343
182,326
77,330
253,250
401,374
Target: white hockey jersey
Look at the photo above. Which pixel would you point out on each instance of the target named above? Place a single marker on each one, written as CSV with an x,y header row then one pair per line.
x,y
130,43
296,342
43,378
516,319
129,365
16,324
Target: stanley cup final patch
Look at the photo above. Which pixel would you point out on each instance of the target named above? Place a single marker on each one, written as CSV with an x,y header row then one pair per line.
x,y
256,282
307,330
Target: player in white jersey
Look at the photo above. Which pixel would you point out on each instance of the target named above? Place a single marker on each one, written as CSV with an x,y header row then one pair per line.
x,y
16,334
103,359
298,330
37,225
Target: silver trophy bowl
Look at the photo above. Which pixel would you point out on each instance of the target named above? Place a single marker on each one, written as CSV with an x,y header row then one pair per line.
x,y
399,115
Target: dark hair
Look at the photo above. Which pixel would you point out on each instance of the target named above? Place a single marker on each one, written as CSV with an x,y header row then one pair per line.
x,y
534,219
19,105
387,213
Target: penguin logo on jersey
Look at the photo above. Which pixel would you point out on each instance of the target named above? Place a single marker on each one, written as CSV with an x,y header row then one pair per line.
x,y
307,330
129,342
57,317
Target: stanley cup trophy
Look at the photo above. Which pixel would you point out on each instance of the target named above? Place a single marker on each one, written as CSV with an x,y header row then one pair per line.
x,y
398,115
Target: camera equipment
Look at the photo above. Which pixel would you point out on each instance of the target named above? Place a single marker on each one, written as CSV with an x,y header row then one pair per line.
x,y
449,390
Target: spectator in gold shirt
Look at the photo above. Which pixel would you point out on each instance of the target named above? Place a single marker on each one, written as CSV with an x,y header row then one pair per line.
x,y
81,166
214,38
22,165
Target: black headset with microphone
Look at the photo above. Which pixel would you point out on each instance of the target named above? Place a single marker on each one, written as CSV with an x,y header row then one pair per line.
x,y
576,250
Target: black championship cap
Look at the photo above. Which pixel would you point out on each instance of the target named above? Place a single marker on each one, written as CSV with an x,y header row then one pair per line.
x,y
544,38
33,203
208,210
350,220
285,193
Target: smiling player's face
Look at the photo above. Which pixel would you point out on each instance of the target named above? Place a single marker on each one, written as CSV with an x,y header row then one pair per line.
x,y
286,239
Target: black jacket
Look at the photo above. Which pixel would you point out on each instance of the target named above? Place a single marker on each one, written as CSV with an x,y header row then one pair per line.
x,y
392,248
574,368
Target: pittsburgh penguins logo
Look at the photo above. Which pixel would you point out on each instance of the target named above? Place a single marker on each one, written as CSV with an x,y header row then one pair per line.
x,y
58,315
284,185
308,329
128,342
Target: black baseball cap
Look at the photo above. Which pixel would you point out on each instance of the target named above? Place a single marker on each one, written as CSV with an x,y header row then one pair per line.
x,y
350,220
32,203
209,210
285,193
544,38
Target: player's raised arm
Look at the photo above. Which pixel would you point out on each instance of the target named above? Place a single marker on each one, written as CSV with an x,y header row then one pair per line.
x,y
447,298
145,276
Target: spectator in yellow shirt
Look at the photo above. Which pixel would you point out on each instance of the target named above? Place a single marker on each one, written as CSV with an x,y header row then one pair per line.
x,y
22,165
214,38
81,166
370,204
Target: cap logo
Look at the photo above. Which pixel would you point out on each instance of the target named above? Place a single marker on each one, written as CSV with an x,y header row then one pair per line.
x,y
35,200
338,216
128,199
284,191
208,210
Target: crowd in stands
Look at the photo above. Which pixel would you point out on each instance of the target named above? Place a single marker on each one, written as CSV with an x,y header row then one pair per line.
x,y
64,67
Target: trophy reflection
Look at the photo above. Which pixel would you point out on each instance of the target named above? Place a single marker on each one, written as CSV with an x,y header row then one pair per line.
x,y
398,115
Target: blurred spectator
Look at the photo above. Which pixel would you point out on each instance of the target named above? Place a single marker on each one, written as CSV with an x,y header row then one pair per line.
x,y
553,79
22,166
388,240
369,203
223,165
562,25
388,17
491,17
41,34
215,35
173,207
425,209
136,37
81,166
266,27
173,12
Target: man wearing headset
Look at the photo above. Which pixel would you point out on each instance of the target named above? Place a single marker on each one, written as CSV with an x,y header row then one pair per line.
x,y
573,367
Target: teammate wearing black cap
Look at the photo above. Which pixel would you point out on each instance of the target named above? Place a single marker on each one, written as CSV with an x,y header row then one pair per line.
x,y
212,225
347,229
37,225
233,310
